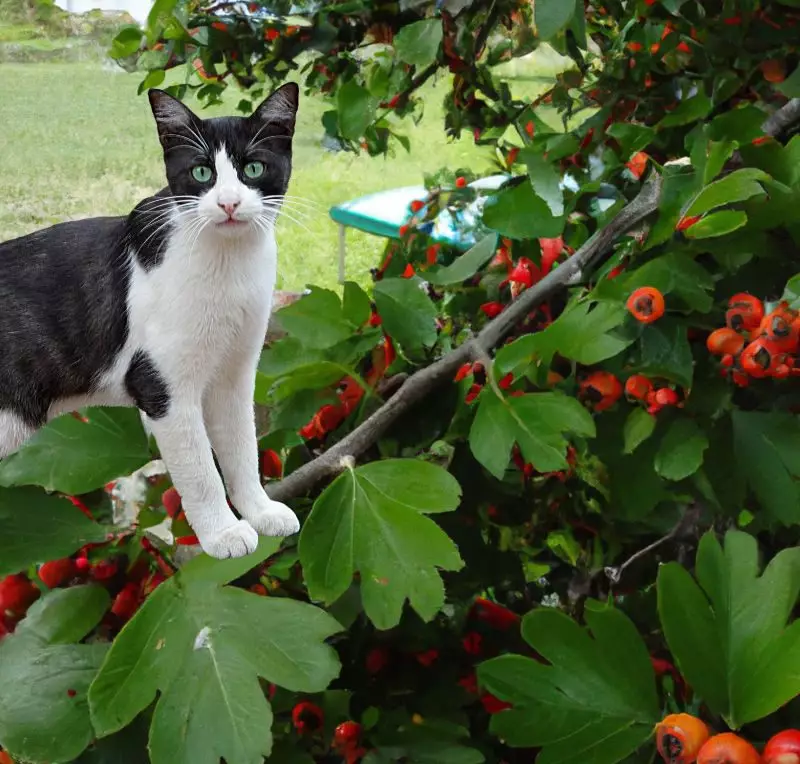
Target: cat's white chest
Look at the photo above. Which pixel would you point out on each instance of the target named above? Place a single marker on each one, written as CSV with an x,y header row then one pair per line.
x,y
203,306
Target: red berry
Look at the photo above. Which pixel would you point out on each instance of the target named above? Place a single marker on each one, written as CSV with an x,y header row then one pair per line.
x,y
666,396
783,748
403,230
17,594
127,602
416,205
646,304
461,182
376,660
57,572
171,500
272,34
271,465
492,309
472,643
495,615
428,658
409,272
307,717
105,569
347,734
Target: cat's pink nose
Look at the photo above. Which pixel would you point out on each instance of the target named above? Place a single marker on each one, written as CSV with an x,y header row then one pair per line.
x,y
229,208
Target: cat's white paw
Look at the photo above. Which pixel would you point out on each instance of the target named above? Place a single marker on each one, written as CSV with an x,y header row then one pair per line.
x,y
273,519
236,541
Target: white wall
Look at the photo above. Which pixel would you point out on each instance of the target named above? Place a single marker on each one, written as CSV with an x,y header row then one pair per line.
x,y
137,8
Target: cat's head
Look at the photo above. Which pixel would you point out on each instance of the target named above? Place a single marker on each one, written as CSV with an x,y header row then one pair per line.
x,y
229,172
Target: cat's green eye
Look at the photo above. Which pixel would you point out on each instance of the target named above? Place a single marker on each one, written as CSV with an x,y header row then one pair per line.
x,y
254,170
202,173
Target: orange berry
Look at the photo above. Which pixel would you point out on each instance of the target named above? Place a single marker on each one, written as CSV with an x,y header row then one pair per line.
x,y
638,387
728,748
646,304
773,70
602,388
637,164
724,341
679,738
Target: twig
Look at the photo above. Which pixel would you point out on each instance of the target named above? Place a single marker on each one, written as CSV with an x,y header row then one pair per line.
x,y
687,521
424,381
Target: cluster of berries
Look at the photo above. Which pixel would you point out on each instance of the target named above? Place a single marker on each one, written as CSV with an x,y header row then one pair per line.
x,y
685,739
756,342
602,389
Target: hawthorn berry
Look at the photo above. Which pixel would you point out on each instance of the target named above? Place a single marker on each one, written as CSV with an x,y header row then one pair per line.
x,y
773,70
637,164
432,253
409,272
492,309
602,389
724,341
171,500
17,594
745,312
57,572
783,748
666,396
416,205
646,304
494,614
5,758
272,34
461,182
347,735
376,660
403,231
271,465
427,658
307,717
728,748
637,387
757,358
463,371
679,738
525,272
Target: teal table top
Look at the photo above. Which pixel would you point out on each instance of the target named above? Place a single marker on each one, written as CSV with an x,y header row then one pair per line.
x,y
385,212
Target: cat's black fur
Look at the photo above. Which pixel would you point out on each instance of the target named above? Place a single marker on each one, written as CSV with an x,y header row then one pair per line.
x,y
63,290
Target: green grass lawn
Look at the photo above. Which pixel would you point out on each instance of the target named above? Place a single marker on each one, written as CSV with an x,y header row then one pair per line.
x,y
78,141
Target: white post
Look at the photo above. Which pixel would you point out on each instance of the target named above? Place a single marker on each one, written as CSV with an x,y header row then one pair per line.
x,y
342,247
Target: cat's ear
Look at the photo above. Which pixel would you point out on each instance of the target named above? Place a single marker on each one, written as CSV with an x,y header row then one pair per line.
x,y
280,109
171,115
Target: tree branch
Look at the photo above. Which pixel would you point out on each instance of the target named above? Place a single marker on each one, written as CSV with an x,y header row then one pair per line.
x,y
420,384
787,116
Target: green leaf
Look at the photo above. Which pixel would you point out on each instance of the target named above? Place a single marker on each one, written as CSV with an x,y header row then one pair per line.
x,y
407,312
765,445
371,519
75,457
681,451
536,421
792,292
520,214
551,16
690,110
790,87
664,351
418,44
466,265
639,426
356,106
316,319
631,137
717,224
730,639
736,187
544,180
35,527
355,304
192,644
493,433
44,680
64,616
583,332
595,703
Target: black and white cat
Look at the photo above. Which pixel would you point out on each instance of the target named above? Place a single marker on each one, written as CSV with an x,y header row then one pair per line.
x,y
166,310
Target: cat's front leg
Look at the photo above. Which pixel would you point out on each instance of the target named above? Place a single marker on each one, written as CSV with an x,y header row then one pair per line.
x,y
186,450
230,420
